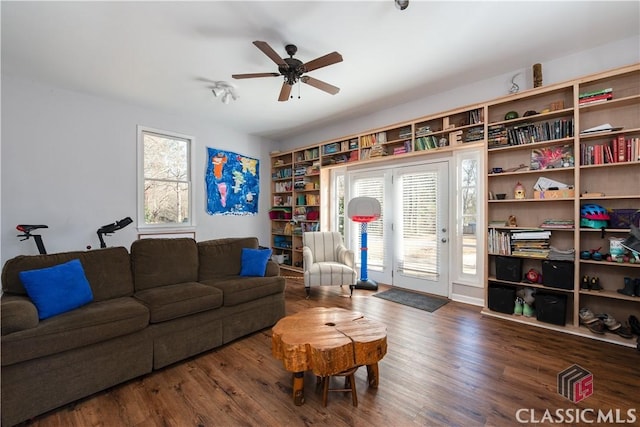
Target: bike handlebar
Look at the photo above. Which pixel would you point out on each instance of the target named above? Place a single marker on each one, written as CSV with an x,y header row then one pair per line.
x,y
118,225
110,228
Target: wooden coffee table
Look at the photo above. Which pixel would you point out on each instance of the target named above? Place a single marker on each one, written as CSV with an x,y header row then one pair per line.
x,y
328,341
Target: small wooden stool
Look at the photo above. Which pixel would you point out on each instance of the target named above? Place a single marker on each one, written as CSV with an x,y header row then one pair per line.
x,y
349,385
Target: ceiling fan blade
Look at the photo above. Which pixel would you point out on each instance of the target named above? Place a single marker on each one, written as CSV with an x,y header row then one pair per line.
x,y
268,50
323,61
254,75
319,84
285,92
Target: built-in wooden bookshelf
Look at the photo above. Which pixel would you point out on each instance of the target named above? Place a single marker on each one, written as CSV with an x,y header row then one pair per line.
x,y
547,142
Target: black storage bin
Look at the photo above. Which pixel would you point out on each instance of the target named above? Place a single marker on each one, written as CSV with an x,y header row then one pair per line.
x,y
502,298
551,308
508,268
557,274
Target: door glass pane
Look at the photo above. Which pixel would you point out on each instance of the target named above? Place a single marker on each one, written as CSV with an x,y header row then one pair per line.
x,y
418,253
370,187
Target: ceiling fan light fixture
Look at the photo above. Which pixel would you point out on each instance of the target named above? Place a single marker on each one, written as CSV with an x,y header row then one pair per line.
x,y
402,4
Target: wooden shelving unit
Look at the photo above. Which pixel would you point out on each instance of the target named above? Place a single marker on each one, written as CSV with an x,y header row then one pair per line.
x,y
509,145
512,157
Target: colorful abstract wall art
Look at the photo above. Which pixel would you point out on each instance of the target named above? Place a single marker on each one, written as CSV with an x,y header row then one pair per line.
x,y
232,183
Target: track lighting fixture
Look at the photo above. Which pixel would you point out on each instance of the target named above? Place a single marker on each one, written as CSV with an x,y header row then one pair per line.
x,y
225,91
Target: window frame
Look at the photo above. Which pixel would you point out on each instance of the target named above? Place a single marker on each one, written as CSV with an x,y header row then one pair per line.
x,y
180,227
457,271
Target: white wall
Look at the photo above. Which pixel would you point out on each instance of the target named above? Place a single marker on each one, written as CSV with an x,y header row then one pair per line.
x,y
589,61
69,161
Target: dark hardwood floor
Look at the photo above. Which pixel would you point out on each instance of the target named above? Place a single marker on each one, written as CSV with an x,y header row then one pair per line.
x,y
453,367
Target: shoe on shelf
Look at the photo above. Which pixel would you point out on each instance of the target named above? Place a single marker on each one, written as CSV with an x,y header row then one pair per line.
x,y
593,323
518,307
595,284
629,287
614,326
528,310
634,323
584,284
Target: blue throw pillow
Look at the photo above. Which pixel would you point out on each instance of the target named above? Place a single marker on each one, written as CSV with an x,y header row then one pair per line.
x,y
58,289
254,261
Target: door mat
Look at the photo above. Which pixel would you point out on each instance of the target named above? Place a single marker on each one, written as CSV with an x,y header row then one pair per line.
x,y
413,299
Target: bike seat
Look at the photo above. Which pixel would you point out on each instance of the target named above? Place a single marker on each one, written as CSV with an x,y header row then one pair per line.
x,y
27,228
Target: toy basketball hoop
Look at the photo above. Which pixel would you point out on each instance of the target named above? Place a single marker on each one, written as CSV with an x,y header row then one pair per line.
x,y
364,210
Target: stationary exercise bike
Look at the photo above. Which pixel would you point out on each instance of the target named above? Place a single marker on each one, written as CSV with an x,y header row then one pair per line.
x,y
26,230
111,228
105,230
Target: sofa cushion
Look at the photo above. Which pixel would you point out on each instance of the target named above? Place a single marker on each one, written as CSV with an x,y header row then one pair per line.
x,y
108,271
57,289
254,261
222,257
92,323
18,313
160,262
239,290
173,301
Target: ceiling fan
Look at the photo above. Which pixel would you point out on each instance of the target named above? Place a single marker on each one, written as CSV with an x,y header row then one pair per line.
x,y
293,69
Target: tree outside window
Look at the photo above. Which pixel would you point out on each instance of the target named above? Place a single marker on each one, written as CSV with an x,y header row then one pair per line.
x,y
166,170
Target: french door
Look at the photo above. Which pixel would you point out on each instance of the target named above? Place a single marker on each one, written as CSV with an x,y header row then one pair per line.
x,y
408,244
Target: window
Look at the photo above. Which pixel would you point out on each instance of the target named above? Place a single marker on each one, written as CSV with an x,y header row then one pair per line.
x,y
164,193
468,217
340,214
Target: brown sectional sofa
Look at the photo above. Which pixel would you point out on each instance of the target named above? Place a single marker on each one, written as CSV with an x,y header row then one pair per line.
x,y
162,302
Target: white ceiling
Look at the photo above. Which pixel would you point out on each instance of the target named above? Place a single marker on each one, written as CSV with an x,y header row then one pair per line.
x,y
166,54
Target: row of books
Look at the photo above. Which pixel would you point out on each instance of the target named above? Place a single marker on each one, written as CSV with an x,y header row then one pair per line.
x,y
283,186
617,150
282,200
474,134
307,155
423,130
595,96
430,142
336,147
309,199
524,243
372,139
526,133
282,174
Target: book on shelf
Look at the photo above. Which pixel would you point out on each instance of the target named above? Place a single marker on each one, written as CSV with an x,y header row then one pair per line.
x,y
404,132
618,149
530,234
598,92
593,99
558,224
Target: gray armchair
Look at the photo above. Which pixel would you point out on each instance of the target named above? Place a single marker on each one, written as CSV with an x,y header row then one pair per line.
x,y
327,262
